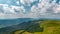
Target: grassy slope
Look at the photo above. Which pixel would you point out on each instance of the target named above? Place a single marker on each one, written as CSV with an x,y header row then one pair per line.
x,y
44,27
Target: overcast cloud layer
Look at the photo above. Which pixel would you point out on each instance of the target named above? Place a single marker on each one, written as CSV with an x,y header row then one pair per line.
x,y
30,9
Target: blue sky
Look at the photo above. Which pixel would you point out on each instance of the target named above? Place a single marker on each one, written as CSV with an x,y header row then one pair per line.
x,y
29,9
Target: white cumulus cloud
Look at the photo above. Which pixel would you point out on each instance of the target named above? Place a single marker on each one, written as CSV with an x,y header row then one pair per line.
x,y
42,9
46,9
11,12
27,2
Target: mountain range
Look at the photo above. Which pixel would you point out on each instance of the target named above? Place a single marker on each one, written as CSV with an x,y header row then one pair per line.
x,y
24,25
10,22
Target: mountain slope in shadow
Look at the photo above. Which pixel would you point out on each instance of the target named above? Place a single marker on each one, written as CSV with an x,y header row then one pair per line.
x,y
21,26
10,22
34,27
41,27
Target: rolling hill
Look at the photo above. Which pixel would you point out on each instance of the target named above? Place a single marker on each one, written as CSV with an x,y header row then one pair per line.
x,y
10,22
44,27
34,27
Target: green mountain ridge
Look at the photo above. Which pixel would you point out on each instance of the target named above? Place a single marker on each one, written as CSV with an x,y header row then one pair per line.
x,y
34,27
24,25
44,27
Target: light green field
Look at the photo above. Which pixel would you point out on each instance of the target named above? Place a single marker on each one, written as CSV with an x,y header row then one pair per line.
x,y
44,27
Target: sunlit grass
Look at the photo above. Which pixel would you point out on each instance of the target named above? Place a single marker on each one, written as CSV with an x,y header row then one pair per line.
x,y
49,27
17,32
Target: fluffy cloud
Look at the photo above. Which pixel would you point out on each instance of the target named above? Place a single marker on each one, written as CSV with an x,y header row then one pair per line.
x,y
46,9
27,2
17,2
11,12
43,9
57,9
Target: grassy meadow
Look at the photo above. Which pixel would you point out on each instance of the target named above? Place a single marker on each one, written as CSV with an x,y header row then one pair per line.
x,y
42,27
